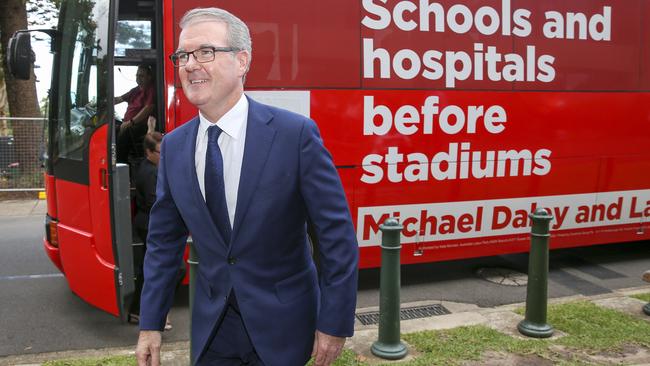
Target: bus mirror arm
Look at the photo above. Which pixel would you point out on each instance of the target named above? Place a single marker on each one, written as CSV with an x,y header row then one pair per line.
x,y
20,56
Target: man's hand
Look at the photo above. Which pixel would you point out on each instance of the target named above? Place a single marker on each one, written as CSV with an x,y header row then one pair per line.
x,y
327,348
147,352
151,124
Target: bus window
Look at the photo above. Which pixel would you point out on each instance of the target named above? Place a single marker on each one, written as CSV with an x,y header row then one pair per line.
x,y
82,49
124,76
132,35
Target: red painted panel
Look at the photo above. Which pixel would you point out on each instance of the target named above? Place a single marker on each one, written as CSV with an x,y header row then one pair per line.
x,y
587,64
416,42
295,45
568,124
592,149
53,253
624,172
73,205
50,193
645,45
100,210
184,109
84,231
89,278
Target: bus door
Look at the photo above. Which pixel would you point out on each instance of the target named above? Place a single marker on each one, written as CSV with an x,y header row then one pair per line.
x,y
91,191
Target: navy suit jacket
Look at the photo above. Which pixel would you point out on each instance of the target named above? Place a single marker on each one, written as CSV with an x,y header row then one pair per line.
x,y
287,179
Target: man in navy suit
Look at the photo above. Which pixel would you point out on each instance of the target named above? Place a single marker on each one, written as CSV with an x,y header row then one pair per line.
x,y
244,179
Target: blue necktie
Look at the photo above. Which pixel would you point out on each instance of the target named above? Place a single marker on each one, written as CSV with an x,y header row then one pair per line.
x,y
215,192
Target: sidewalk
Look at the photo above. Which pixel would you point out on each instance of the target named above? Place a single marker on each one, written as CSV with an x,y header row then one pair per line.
x,y
23,207
502,318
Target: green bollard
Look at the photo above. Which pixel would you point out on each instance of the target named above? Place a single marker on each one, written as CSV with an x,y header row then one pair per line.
x,y
389,346
193,261
534,325
645,277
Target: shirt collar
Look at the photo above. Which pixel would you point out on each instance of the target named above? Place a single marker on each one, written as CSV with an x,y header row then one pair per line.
x,y
232,123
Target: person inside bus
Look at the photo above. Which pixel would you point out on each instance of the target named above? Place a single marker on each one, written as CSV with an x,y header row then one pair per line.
x,y
140,107
145,196
245,178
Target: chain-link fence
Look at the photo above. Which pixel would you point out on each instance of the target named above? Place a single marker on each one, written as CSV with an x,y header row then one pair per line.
x,y
22,153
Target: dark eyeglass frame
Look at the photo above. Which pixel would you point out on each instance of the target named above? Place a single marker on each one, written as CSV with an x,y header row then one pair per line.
x,y
176,57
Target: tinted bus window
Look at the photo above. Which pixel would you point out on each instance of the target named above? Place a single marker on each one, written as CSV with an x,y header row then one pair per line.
x,y
82,52
132,34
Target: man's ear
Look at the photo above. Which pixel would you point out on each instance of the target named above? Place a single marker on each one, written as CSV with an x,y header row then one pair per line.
x,y
243,58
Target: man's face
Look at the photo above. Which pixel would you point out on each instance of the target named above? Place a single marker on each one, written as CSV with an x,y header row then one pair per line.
x,y
142,77
214,83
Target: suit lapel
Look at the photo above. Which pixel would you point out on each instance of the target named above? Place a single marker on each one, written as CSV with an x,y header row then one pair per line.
x,y
259,138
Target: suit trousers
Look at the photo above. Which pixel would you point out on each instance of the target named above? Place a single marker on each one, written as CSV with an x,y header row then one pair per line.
x,y
230,344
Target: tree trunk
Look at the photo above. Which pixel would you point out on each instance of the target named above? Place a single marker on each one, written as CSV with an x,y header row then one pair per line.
x,y
21,94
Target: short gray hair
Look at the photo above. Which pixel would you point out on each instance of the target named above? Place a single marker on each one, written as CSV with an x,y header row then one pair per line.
x,y
237,34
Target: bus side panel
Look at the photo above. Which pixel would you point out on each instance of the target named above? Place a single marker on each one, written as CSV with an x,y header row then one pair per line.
x,y
586,64
645,45
51,249
84,230
82,265
594,175
295,44
84,270
169,47
571,124
73,205
100,210
50,191
625,172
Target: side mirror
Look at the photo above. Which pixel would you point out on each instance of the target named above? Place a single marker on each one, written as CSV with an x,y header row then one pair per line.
x,y
20,57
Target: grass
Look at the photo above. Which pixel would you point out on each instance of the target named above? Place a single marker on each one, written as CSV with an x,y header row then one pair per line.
x,y
589,330
448,347
595,328
106,361
643,297
347,358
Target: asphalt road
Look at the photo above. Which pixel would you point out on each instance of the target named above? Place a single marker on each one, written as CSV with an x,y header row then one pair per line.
x,y
38,312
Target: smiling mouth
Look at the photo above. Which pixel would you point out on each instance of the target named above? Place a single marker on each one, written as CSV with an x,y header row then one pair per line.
x,y
197,81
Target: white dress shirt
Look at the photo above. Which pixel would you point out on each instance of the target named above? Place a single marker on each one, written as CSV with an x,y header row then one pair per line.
x,y
231,143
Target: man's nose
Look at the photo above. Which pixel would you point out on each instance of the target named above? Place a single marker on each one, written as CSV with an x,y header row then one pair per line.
x,y
192,63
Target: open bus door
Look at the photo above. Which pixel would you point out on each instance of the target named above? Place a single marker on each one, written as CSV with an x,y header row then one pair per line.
x,y
89,222
91,191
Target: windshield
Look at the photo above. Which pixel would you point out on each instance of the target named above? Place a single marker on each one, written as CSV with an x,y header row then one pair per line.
x,y
82,76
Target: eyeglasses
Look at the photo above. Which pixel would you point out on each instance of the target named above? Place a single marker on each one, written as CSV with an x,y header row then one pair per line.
x,y
202,55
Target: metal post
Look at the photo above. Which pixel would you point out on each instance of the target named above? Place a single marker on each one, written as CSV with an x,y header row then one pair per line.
x,y
534,325
389,346
193,261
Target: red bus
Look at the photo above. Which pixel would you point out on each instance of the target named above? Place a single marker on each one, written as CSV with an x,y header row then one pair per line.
x,y
457,117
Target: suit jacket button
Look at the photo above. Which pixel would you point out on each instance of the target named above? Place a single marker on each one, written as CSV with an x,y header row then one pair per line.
x,y
232,260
